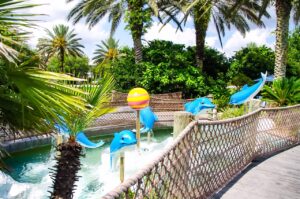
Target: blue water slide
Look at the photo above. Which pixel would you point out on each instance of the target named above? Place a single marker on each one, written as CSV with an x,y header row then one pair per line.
x,y
148,119
248,92
198,105
62,129
83,140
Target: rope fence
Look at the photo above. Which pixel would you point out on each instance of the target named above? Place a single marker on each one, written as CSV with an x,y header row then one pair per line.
x,y
208,154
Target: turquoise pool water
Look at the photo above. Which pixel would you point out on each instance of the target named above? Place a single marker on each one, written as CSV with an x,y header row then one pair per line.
x,y
29,176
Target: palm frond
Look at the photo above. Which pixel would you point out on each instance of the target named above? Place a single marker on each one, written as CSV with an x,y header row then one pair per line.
x,y
97,97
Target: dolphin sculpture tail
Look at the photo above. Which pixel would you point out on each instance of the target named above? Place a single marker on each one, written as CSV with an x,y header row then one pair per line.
x,y
248,92
148,119
84,141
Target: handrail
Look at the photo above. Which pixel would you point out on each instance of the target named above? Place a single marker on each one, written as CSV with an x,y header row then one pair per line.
x,y
207,154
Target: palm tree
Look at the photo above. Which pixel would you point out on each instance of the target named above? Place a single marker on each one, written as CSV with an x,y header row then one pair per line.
x,y
283,13
106,51
138,16
11,24
105,54
221,12
283,91
61,42
68,163
30,99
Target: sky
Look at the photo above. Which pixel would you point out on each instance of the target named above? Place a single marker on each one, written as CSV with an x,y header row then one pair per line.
x,y
57,10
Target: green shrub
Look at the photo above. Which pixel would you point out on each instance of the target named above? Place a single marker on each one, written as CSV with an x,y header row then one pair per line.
x,y
283,91
251,61
231,112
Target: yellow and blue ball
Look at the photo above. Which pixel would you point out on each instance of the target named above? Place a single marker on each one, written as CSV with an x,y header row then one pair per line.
x,y
138,98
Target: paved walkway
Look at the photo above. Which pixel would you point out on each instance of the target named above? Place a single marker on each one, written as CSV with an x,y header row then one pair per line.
x,y
276,178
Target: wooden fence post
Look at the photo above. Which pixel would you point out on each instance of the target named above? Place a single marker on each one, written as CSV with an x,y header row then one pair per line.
x,y
181,120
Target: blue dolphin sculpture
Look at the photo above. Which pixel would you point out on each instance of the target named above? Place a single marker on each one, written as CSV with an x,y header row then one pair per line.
x,y
121,140
198,105
248,92
147,118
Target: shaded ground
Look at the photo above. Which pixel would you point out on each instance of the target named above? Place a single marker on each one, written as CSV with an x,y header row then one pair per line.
x,y
276,177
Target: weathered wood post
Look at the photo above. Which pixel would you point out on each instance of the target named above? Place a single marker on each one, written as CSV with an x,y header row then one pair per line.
x,y
215,114
181,120
149,137
138,127
122,166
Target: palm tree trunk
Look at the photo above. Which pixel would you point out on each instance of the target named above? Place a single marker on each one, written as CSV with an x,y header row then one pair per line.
x,y
62,59
283,9
65,171
138,48
136,24
201,21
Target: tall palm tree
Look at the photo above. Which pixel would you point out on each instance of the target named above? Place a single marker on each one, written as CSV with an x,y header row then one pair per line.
x,y
283,13
61,42
138,16
106,51
30,99
220,12
68,163
105,54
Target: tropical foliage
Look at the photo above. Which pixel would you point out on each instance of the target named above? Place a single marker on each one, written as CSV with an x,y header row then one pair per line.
x,y
293,66
60,42
283,91
137,14
284,9
30,98
77,66
106,51
251,61
231,112
12,24
168,67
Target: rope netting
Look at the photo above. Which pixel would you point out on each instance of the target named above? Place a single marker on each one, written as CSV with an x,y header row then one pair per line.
x,y
208,154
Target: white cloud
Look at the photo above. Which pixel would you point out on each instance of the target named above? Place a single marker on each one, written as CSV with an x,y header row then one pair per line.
x,y
169,33
237,41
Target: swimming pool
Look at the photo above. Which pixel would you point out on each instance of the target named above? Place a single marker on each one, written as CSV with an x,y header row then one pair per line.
x,y
30,177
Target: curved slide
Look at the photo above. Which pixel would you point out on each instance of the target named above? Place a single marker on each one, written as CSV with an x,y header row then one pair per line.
x,y
84,141
248,92
81,138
